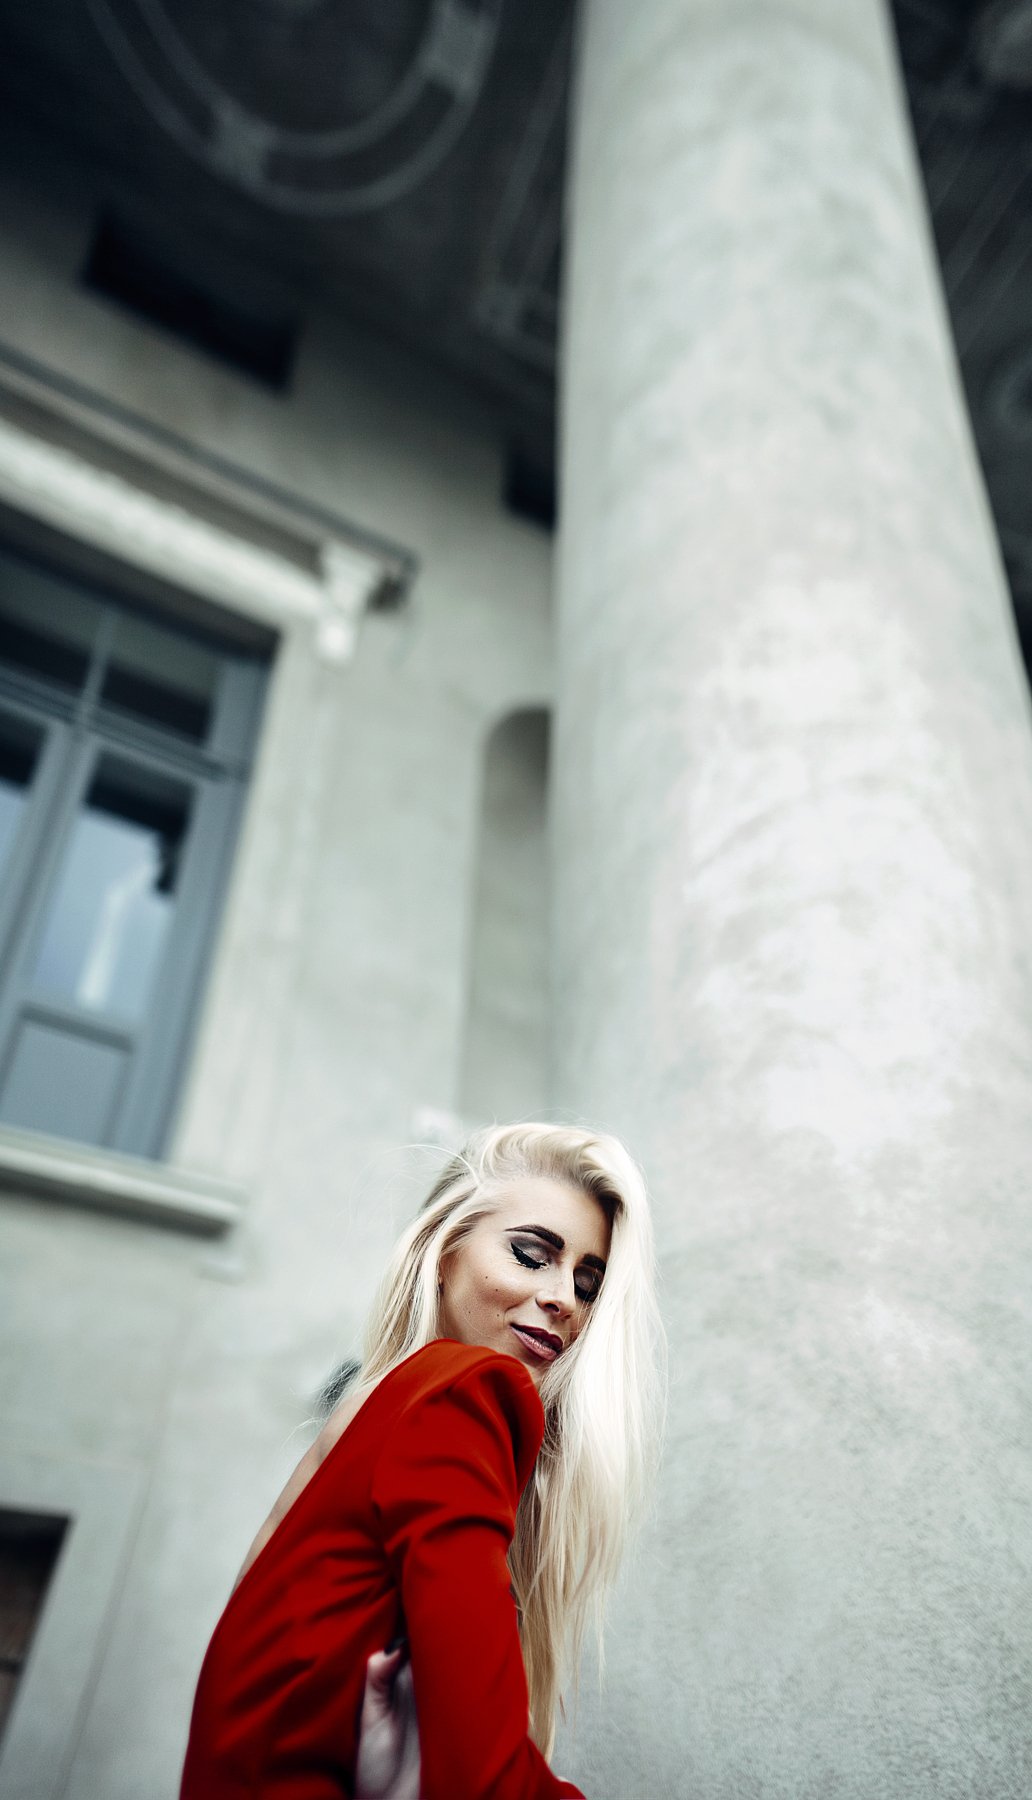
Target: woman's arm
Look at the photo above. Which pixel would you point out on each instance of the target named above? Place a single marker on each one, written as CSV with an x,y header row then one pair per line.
x,y
445,1491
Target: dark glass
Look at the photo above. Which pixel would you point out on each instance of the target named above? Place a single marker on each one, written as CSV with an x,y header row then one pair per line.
x,y
162,677
29,1548
45,631
19,752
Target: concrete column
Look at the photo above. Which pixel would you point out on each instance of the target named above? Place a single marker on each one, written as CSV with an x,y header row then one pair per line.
x,y
793,850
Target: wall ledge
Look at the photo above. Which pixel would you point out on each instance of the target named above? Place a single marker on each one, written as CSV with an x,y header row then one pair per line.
x,y
143,497
156,1193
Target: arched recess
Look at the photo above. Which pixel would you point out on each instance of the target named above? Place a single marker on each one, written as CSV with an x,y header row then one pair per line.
x,y
503,1064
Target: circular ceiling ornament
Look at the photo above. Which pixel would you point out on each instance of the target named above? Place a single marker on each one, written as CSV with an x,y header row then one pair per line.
x,y
1002,40
292,9
1009,395
216,89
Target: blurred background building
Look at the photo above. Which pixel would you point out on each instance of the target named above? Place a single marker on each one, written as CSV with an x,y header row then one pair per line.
x,y
279,377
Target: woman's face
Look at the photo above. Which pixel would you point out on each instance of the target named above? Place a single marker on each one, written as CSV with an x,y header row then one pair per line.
x,y
526,1277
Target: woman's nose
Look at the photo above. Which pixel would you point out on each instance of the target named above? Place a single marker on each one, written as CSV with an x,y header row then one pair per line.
x,y
557,1294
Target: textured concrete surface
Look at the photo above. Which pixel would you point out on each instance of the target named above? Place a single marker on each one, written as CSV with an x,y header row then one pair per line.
x,y
793,843
179,1373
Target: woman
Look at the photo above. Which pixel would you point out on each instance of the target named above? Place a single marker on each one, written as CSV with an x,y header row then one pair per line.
x,y
471,1495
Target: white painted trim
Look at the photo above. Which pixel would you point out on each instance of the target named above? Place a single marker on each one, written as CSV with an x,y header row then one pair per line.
x,y
112,514
102,1502
32,1163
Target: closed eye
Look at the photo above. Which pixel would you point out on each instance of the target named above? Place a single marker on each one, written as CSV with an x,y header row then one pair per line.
x,y
586,1293
529,1262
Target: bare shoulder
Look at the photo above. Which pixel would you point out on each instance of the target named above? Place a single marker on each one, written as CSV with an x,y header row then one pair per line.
x,y
337,1424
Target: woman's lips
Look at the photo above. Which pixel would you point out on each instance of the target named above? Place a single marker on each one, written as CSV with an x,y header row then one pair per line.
x,y
539,1343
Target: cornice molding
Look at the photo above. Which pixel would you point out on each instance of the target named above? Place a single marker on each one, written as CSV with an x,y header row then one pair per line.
x,y
203,527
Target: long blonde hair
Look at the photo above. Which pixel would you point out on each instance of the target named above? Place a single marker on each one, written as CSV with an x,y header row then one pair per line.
x,y
603,1399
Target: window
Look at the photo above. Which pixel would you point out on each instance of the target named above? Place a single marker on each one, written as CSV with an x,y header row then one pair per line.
x,y
125,743
29,1547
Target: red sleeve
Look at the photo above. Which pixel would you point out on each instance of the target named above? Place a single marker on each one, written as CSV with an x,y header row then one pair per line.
x,y
445,1491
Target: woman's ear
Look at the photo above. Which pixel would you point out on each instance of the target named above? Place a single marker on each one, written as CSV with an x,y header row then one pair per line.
x,y
446,1267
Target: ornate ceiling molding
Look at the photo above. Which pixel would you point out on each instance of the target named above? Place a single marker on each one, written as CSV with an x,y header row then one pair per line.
x,y
517,298
1008,396
1002,41
350,168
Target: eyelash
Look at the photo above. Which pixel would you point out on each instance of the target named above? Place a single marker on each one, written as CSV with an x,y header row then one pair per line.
x,y
530,1262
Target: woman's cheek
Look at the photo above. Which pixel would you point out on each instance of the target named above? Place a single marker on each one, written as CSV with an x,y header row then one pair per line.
x,y
502,1291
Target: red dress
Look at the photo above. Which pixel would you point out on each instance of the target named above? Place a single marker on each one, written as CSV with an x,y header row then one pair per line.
x,y
403,1527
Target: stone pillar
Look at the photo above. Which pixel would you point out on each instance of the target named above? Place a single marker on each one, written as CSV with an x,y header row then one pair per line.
x,y
793,853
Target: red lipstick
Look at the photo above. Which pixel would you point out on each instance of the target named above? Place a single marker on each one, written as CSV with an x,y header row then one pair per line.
x,y
543,1344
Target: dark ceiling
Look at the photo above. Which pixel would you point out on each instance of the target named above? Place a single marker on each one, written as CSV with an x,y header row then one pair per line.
x,y
403,159
968,66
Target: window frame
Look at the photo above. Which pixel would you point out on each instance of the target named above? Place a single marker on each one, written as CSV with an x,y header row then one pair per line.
x,y
78,732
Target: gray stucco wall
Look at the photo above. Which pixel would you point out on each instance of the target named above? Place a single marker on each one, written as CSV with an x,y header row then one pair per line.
x,y
151,1384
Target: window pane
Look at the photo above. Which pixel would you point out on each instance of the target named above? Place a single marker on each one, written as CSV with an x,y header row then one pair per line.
x,y
46,629
61,1080
29,1546
19,752
161,676
116,892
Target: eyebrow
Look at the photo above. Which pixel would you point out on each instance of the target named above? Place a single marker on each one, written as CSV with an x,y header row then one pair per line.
x,y
558,1243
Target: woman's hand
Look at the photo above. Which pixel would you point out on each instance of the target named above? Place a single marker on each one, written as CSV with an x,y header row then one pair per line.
x,y
388,1766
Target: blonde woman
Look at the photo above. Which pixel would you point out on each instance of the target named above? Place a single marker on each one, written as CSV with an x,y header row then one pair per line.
x,y
467,1502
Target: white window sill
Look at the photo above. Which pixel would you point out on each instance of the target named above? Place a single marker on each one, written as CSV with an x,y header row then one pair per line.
x,y
160,1193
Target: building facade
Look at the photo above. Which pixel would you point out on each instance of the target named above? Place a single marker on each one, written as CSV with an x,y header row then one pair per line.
x,y
168,1326
284,688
